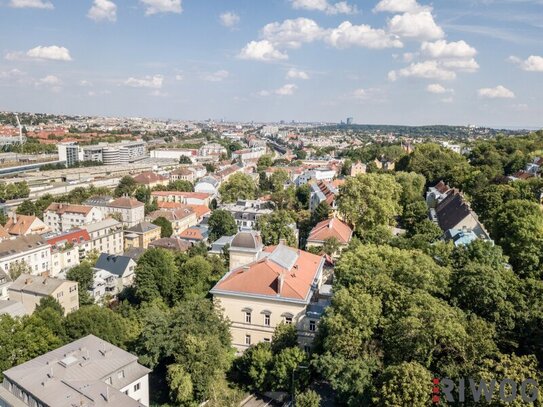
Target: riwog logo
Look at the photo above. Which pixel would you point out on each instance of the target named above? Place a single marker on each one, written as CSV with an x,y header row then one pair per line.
x,y
508,390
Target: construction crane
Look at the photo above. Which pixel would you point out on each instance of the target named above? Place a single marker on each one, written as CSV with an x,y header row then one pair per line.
x,y
10,140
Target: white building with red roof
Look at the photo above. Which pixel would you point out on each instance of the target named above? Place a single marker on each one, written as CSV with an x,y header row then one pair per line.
x,y
270,285
61,217
331,228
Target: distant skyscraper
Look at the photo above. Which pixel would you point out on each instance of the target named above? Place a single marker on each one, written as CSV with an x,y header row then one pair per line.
x,y
349,120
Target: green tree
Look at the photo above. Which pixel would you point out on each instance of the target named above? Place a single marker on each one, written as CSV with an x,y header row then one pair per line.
x,y
156,274
413,185
17,268
406,384
180,384
194,279
126,186
264,162
284,336
278,180
285,362
331,246
370,200
180,185
221,223
27,207
83,274
303,196
166,229
309,398
276,226
238,186
321,212
255,366
143,194
185,160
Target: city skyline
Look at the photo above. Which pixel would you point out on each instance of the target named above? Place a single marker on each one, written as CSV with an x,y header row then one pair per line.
x,y
471,62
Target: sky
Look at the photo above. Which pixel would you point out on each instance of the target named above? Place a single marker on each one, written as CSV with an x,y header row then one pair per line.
x,y
407,62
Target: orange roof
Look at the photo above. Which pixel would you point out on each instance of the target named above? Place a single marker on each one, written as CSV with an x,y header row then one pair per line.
x,y
125,203
148,177
338,182
192,234
331,228
170,205
263,277
172,215
200,210
61,208
3,233
76,236
195,195
20,224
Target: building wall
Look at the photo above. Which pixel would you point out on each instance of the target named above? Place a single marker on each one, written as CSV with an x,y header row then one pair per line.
x,y
71,220
142,394
66,294
64,259
130,216
180,225
109,240
241,258
39,260
234,309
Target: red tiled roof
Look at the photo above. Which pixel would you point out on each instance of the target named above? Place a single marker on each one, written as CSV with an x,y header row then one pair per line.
x,y
172,215
125,203
75,236
21,224
148,177
192,234
263,276
200,210
195,195
331,228
61,208
3,233
170,205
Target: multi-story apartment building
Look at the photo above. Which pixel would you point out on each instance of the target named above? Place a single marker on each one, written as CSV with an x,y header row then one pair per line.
x,y
88,372
30,290
110,154
316,174
246,212
61,217
214,149
141,235
267,286
182,174
67,249
131,211
181,219
31,250
185,198
106,236
249,154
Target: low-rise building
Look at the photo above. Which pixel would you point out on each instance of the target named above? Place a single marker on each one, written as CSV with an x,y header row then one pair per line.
x,y
29,290
170,243
246,212
208,185
277,284
195,234
5,282
61,217
150,179
106,236
181,219
130,210
182,174
19,225
141,235
87,372
185,198
331,228
316,174
248,154
323,191
122,267
357,168
32,251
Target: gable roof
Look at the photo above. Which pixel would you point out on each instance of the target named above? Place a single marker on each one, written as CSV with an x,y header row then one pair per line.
x,y
114,264
73,236
452,210
37,284
331,228
22,224
21,244
62,208
171,215
148,177
125,203
194,233
282,273
142,227
3,233
171,243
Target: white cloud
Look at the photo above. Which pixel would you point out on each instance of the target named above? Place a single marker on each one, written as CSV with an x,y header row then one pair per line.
x,y
398,6
465,65
50,80
438,89
346,35
12,73
162,6
294,73
46,5
103,10
444,49
360,93
152,82
261,51
419,26
425,70
179,77
85,82
217,76
52,52
499,92
533,63
229,19
286,90
292,33
341,7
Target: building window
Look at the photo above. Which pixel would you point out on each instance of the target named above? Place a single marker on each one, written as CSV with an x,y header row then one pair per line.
x,y
109,381
247,339
247,317
120,374
126,392
267,340
267,319
60,294
137,386
288,320
312,326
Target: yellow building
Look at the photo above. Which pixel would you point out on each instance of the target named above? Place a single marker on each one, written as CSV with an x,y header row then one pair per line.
x,y
269,285
141,235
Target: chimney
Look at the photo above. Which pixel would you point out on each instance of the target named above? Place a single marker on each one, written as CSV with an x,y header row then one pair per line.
x,y
280,281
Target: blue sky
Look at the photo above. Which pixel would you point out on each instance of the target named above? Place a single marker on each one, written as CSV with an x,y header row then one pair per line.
x,y
383,62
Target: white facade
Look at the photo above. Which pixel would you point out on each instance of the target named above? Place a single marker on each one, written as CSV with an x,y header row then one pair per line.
x,y
318,174
32,250
175,154
106,236
66,217
62,259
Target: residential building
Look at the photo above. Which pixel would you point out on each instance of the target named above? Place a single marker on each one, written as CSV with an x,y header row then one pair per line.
x,y
180,219
383,163
218,245
436,194
68,153
323,191
103,283
122,267
214,149
4,233
68,249
246,212
279,284
459,237
316,174
130,210
14,309
185,198
195,234
208,185
30,290
61,217
141,235
182,174
150,179
5,282
31,250
106,236
357,168
88,372
249,154
19,225
331,228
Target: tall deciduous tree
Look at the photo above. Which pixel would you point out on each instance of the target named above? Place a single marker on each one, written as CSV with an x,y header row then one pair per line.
x,y
166,229
221,223
238,186
277,226
156,274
